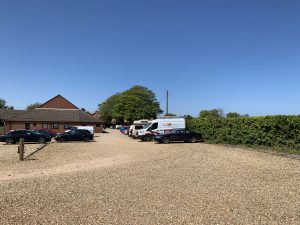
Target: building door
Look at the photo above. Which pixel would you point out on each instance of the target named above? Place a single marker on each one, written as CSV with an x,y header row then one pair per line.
x,y
27,126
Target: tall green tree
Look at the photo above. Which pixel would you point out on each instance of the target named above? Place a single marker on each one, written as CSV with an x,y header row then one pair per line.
x,y
33,106
188,117
106,108
213,113
3,104
233,115
136,103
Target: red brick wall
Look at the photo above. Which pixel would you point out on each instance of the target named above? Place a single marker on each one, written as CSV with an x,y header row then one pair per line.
x,y
59,103
14,126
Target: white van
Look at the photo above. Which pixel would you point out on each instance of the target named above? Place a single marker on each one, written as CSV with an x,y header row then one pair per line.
x,y
161,126
89,128
138,125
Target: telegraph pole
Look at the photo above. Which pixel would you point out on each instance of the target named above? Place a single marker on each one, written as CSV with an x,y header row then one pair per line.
x,y
167,106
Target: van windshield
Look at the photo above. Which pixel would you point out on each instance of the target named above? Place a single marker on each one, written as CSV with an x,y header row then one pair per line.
x,y
152,126
147,126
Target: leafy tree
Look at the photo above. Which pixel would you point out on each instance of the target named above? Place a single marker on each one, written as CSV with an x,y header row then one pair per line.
x,y
106,108
3,105
213,113
33,106
188,117
233,115
136,103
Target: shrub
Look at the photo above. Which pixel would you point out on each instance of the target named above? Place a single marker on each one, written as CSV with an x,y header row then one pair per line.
x,y
272,131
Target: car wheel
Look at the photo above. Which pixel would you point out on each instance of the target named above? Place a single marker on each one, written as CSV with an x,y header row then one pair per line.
x,y
147,138
193,140
42,141
9,141
86,139
61,139
166,140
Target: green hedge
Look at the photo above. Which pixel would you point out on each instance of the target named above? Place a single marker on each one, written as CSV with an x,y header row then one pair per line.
x,y
282,132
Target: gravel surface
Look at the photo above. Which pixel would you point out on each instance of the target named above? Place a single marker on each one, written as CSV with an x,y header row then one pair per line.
x,y
117,180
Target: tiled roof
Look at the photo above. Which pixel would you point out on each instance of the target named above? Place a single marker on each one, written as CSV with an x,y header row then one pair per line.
x,y
8,113
55,115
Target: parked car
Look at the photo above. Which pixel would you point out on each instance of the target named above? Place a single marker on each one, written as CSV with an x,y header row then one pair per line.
x,y
29,136
89,128
124,130
138,125
45,132
89,134
50,131
73,135
162,126
130,131
178,135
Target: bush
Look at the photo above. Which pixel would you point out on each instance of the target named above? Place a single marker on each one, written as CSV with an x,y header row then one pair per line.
x,y
281,132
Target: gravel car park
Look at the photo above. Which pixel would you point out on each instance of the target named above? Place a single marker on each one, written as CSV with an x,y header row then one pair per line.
x,y
118,180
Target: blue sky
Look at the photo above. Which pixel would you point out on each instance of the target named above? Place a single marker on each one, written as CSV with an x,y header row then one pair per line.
x,y
241,55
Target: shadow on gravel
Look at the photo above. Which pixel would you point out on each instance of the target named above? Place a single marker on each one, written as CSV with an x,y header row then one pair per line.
x,y
32,153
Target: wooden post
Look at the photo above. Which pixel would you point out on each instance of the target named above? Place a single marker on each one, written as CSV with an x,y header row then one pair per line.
x,y
21,149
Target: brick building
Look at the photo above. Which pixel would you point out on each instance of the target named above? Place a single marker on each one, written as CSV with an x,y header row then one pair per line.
x,y
57,114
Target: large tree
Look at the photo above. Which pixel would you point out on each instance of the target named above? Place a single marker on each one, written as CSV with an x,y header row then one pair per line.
x,y
3,105
213,113
33,105
106,108
136,103
233,115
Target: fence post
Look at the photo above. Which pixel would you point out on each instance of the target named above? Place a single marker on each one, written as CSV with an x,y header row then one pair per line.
x,y
21,149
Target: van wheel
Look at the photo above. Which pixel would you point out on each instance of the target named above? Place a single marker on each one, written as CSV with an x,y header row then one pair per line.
x,y
9,141
147,138
41,141
166,140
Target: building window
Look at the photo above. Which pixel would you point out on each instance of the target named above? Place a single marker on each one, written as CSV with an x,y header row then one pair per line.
x,y
55,126
27,126
45,125
83,124
66,126
97,125
34,124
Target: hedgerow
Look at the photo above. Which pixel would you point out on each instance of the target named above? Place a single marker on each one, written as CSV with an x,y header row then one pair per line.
x,y
282,132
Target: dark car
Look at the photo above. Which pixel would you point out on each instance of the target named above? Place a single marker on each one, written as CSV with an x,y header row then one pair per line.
x,y
178,135
89,134
45,132
50,131
73,135
29,136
